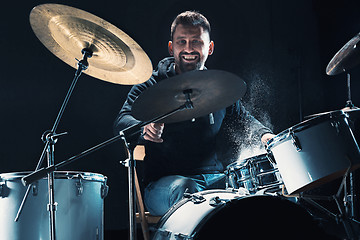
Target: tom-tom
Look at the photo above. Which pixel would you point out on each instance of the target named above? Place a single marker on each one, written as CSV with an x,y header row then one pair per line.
x,y
79,213
254,173
315,151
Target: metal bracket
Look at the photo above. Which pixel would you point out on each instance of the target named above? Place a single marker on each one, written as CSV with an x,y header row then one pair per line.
x,y
2,187
295,141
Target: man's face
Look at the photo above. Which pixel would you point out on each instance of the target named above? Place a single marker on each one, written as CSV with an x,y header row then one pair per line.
x,y
190,47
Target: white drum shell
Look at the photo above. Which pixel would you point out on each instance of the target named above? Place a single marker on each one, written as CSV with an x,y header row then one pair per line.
x,y
192,213
79,214
328,149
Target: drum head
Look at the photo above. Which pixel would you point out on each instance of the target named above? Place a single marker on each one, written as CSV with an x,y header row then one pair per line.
x,y
242,217
260,217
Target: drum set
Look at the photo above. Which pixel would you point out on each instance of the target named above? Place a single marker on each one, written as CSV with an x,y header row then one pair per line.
x,y
300,159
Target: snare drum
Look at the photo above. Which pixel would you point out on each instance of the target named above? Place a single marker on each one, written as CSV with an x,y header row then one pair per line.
x,y
315,151
254,174
224,214
79,215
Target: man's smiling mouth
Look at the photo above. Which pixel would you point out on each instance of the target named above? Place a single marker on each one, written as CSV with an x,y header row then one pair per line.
x,y
189,57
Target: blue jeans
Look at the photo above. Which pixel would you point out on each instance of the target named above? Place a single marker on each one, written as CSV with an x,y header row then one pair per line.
x,y
160,195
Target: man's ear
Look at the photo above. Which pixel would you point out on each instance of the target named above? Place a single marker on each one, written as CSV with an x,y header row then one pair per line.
x,y
211,48
170,48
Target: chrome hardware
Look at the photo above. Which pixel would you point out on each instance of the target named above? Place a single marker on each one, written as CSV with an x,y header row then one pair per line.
x,y
2,187
104,190
295,141
79,188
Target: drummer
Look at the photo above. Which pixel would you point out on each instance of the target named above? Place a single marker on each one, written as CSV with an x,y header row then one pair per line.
x,y
181,157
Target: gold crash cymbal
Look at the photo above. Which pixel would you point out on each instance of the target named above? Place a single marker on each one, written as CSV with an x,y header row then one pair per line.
x,y
211,90
346,58
65,31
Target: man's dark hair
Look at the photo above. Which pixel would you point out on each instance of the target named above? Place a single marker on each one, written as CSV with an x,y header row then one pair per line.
x,y
190,18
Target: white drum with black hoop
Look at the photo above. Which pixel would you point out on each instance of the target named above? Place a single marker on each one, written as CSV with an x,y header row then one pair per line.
x,y
225,214
79,215
315,151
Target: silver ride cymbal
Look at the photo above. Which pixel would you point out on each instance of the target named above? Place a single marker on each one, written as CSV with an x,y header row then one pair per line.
x,y
211,90
346,58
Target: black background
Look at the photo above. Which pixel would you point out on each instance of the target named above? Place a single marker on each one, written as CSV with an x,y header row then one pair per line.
x,y
280,48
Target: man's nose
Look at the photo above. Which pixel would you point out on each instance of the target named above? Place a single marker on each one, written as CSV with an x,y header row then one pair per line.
x,y
188,47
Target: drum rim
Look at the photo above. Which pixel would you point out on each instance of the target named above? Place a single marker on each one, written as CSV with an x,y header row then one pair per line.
x,y
204,220
183,201
246,160
88,176
302,126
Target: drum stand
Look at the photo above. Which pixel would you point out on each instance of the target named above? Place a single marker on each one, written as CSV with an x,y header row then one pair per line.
x,y
346,210
50,138
129,136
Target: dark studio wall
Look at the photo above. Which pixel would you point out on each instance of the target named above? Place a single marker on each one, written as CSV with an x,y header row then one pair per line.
x,y
280,48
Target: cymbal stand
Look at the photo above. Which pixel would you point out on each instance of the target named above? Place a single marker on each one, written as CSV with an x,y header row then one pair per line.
x,y
50,138
352,194
127,135
349,103
130,163
346,211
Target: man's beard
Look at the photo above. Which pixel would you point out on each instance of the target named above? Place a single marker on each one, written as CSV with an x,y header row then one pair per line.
x,y
189,66
185,67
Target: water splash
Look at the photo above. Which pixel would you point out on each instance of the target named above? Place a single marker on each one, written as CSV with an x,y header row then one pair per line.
x,y
247,143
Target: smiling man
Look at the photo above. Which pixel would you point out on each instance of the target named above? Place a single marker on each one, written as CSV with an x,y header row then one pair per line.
x,y
181,157
190,45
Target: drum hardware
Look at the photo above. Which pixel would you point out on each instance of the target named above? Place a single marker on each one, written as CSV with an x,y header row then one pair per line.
x,y
79,187
67,32
195,198
295,141
2,186
344,204
253,174
50,138
77,217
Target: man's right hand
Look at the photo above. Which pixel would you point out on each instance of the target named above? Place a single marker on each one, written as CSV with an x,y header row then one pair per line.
x,y
152,132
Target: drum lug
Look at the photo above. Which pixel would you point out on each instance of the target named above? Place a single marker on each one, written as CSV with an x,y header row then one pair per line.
x,y
270,156
35,188
336,124
295,141
104,190
195,198
2,187
79,188
216,201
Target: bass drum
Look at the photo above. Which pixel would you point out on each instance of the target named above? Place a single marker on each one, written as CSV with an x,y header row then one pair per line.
x,y
79,213
224,214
